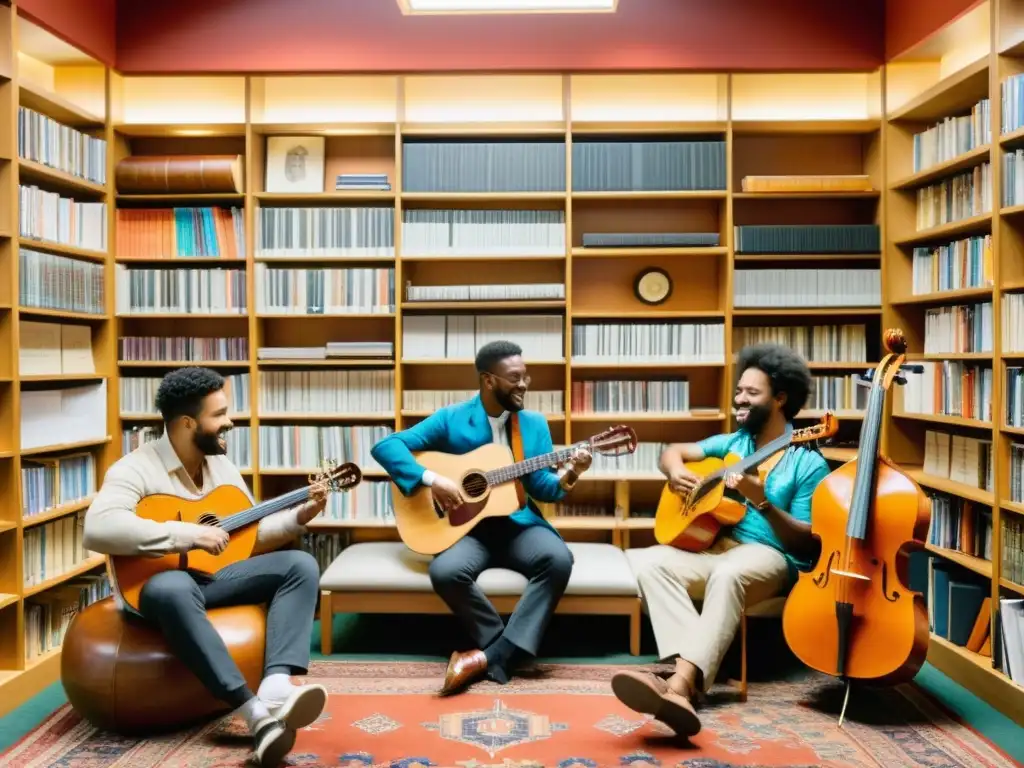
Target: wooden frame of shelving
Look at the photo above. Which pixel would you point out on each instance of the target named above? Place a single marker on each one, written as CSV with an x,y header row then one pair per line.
x,y
771,123
40,76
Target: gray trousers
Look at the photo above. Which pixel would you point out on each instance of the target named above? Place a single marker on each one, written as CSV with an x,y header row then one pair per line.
x,y
537,552
286,581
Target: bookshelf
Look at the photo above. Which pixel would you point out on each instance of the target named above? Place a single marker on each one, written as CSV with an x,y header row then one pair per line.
x,y
57,340
327,345
951,275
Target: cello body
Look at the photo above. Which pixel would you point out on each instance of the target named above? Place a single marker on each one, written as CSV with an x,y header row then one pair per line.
x,y
889,629
852,615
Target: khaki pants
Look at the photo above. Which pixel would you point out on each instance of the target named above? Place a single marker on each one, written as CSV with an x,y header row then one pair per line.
x,y
726,577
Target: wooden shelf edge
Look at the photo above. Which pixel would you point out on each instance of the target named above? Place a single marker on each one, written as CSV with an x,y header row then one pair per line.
x,y
18,686
975,673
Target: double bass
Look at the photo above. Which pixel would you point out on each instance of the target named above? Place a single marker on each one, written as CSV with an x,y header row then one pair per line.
x,y
852,616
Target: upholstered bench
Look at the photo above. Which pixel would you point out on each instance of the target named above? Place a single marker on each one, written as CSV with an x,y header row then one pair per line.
x,y
765,609
387,577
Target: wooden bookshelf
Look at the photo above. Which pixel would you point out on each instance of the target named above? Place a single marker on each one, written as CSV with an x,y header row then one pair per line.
x,y
40,76
956,73
768,123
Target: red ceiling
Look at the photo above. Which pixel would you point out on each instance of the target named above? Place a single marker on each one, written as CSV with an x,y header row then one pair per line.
x,y
372,35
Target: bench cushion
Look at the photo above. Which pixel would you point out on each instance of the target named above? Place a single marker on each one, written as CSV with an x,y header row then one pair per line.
x,y
772,607
390,566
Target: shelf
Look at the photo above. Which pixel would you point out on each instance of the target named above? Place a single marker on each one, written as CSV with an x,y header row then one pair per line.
x,y
976,156
961,90
971,225
975,673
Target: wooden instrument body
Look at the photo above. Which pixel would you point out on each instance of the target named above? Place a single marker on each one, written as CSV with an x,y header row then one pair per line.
x,y
695,527
130,573
426,530
889,628
120,675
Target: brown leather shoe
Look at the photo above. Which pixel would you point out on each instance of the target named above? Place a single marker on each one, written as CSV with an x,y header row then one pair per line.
x,y
650,695
463,669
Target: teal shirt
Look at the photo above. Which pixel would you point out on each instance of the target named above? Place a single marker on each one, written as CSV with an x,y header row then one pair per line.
x,y
789,487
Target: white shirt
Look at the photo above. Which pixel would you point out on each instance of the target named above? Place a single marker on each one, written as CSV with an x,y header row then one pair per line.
x,y
498,435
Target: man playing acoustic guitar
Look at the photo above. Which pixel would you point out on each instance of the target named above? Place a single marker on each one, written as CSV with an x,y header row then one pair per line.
x,y
523,542
189,461
754,560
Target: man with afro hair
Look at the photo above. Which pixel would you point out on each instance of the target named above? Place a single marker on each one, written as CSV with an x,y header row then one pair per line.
x,y
754,560
188,461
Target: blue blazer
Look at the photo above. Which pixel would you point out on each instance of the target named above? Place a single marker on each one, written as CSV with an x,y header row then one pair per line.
x,y
459,429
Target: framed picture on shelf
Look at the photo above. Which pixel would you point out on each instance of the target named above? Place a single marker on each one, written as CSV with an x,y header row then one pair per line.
x,y
295,164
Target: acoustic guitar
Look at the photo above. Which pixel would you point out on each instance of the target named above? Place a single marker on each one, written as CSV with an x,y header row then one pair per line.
x,y
227,507
488,478
692,522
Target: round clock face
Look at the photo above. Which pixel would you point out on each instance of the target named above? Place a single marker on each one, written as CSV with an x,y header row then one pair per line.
x,y
653,286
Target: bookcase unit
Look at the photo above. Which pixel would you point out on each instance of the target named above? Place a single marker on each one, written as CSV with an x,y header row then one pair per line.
x,y
511,253
952,275
57,343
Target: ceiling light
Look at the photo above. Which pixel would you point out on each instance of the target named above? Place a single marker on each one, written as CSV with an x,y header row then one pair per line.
x,y
507,6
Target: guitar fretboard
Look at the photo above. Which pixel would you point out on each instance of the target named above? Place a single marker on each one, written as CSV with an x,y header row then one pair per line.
x,y
525,467
264,509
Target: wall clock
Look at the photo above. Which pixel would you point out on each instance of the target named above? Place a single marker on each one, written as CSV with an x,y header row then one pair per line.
x,y
653,286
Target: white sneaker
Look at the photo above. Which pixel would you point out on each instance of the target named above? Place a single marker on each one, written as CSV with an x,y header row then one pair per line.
x,y
274,740
302,707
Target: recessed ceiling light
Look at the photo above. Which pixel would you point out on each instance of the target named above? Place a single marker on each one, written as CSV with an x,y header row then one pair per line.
x,y
507,6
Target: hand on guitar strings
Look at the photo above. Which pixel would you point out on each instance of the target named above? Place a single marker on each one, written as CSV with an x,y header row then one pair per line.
x,y
211,539
749,485
446,493
682,481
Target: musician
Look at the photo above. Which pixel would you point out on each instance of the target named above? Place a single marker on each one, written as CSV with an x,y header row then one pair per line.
x,y
189,461
523,542
750,562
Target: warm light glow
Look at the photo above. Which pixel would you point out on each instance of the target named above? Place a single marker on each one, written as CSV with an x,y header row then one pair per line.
x,y
507,6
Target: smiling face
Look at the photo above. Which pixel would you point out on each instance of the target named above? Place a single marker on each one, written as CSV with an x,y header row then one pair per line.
x,y
211,425
755,404
509,382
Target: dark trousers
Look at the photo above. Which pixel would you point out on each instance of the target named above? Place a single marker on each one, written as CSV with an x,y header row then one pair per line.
x,y
286,581
537,552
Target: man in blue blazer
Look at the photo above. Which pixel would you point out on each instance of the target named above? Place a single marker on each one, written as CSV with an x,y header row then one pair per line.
x,y
522,542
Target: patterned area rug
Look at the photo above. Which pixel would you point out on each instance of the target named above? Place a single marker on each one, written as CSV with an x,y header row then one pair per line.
x,y
562,716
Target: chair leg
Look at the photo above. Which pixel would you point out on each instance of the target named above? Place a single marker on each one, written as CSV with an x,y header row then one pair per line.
x,y
634,629
743,657
326,624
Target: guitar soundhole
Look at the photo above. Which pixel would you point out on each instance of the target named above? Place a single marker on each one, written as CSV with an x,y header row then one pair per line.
x,y
208,519
474,485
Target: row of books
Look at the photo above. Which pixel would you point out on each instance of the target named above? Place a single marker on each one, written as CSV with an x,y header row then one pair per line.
x,y
138,394
955,198
953,136
49,614
181,233
239,442
959,458
48,142
949,388
49,483
52,549
53,218
965,263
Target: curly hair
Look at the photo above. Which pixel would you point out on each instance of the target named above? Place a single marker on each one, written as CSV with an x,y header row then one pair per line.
x,y
785,369
494,352
181,392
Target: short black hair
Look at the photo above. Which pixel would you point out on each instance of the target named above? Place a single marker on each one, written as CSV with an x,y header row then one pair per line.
x,y
494,352
785,369
181,393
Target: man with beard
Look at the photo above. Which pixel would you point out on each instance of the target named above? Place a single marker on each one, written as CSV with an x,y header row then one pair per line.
x,y
188,461
523,542
754,560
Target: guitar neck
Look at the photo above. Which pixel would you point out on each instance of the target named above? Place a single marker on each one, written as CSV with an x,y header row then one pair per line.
x,y
513,471
264,509
757,456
